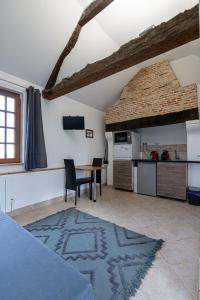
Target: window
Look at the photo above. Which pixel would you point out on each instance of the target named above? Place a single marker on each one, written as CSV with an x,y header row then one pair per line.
x,y
10,113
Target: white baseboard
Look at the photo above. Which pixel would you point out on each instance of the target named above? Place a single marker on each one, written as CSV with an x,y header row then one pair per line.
x,y
22,210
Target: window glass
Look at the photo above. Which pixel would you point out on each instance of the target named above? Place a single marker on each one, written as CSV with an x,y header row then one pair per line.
x,y
10,119
10,114
2,118
10,151
10,135
2,102
2,151
2,135
10,104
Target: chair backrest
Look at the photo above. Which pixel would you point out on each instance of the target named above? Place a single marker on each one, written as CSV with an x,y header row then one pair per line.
x,y
70,174
97,162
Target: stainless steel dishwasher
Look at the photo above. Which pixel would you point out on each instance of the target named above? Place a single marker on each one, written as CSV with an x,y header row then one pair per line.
x,y
146,178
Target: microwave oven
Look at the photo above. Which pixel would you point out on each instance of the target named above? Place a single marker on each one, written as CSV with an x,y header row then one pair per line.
x,y
123,137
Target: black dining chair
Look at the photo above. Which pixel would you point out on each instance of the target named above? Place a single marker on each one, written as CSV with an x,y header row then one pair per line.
x,y
73,183
97,162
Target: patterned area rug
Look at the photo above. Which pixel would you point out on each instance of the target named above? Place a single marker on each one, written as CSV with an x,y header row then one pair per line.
x,y
114,259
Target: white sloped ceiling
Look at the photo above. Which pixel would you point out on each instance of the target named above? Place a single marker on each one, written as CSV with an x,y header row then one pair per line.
x,y
34,32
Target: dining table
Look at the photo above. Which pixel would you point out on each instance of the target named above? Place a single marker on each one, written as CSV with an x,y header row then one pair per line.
x,y
90,168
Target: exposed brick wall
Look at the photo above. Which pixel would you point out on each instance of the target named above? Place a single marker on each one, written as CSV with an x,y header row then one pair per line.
x,y
154,90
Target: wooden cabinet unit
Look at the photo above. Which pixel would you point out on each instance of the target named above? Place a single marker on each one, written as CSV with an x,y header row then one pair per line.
x,y
123,174
172,180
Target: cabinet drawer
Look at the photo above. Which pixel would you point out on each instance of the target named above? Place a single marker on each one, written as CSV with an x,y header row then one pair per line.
x,y
123,162
122,167
122,171
122,179
176,193
123,187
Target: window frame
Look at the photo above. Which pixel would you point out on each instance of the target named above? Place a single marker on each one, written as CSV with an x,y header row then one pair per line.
x,y
17,128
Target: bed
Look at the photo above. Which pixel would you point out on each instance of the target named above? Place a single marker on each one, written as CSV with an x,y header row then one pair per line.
x,y
31,271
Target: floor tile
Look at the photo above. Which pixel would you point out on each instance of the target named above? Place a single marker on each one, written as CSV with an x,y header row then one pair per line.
x,y
173,275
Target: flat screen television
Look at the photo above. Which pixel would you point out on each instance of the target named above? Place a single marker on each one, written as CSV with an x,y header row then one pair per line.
x,y
73,122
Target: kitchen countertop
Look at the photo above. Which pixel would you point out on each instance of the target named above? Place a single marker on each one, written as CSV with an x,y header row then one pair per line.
x,y
167,161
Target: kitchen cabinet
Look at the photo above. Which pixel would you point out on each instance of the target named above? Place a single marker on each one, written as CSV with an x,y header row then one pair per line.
x,y
172,180
146,178
123,174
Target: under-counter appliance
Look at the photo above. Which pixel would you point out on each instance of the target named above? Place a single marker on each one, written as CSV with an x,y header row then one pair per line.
x,y
129,147
146,178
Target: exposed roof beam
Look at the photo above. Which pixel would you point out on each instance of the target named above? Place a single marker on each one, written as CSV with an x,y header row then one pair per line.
x,y
166,119
89,13
180,30
92,10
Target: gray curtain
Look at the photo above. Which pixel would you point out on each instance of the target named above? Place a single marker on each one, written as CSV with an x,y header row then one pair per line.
x,y
35,151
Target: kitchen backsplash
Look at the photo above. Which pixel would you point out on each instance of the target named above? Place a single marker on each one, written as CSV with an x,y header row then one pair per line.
x,y
180,149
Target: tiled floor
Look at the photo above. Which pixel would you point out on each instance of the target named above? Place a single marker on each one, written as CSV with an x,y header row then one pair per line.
x,y
174,275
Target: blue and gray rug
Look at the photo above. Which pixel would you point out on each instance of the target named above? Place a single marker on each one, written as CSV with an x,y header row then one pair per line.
x,y
114,259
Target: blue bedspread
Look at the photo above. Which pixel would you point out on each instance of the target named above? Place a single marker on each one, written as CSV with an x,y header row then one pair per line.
x,y
31,271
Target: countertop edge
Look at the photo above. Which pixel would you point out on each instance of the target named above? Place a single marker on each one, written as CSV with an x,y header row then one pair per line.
x,y
167,161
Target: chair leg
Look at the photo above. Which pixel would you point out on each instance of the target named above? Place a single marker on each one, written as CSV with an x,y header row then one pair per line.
x,y
66,196
90,190
75,197
79,192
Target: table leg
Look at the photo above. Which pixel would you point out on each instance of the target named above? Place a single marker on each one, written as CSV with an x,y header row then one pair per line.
x,y
94,188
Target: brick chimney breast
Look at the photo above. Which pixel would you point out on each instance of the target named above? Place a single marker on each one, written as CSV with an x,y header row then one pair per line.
x,y
154,90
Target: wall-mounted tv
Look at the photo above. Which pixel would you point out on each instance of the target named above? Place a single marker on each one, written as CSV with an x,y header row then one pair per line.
x,y
73,122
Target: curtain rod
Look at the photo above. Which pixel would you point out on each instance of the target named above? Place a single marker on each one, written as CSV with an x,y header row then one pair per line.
x,y
24,87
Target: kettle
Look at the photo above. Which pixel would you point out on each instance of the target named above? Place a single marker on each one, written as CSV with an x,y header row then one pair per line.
x,y
154,155
165,155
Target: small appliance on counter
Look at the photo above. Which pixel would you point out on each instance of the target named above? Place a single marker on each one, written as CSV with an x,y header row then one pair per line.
x,y
126,145
154,155
165,155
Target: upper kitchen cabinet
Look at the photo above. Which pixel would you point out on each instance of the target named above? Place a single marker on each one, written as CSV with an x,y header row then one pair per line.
x,y
172,180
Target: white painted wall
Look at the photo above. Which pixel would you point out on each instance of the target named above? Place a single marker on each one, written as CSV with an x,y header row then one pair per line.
x,y
137,16
30,188
2,193
164,135
187,69
27,189
109,137
193,138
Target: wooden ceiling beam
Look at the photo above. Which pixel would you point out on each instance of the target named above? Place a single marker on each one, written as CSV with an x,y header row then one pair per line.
x,y
88,14
176,32
92,10
166,119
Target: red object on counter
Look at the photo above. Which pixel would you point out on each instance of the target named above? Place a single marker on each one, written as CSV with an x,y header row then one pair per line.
x,y
154,155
